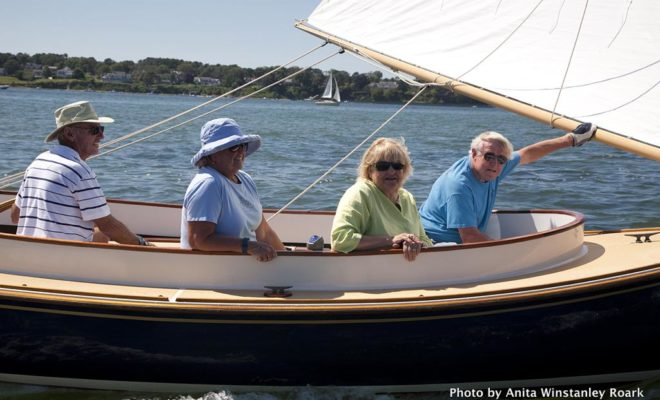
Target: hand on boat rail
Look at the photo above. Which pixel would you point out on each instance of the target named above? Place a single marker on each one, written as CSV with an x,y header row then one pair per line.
x,y
409,243
262,251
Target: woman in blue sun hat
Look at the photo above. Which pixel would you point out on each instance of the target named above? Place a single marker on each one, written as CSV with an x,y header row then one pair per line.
x,y
221,208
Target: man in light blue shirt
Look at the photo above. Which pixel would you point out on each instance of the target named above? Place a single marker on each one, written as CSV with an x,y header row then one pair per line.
x,y
461,199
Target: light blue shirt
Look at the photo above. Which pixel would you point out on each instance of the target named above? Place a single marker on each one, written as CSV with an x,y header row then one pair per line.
x,y
212,197
459,200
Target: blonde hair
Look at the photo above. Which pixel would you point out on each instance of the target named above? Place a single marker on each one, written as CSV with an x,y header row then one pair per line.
x,y
490,136
385,149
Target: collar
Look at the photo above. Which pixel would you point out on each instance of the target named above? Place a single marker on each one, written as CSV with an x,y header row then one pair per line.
x,y
66,152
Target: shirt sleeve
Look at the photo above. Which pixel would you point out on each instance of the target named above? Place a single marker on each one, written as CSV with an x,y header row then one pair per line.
x,y
203,203
91,199
510,165
461,212
350,221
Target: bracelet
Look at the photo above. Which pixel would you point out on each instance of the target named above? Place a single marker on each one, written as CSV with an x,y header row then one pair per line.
x,y
244,245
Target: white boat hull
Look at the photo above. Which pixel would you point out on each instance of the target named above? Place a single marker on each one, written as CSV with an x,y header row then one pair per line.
x,y
529,242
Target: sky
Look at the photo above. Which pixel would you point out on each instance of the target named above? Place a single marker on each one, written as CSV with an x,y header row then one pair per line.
x,y
249,33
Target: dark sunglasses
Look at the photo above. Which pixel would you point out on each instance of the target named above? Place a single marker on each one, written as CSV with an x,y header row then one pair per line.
x,y
490,157
385,165
234,149
93,130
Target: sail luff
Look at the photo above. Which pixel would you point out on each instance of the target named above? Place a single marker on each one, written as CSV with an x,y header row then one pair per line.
x,y
336,96
544,116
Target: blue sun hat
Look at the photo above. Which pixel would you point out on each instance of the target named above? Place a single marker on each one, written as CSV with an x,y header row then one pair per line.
x,y
223,133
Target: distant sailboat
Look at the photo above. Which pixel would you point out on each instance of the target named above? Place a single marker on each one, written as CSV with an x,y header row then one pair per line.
x,y
330,95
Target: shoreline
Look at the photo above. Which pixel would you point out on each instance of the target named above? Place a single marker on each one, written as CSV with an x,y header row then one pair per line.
x,y
22,86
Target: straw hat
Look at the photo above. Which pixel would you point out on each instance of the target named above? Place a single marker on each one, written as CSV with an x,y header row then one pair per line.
x,y
80,111
223,133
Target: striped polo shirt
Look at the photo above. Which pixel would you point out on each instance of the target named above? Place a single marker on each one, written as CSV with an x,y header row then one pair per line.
x,y
60,197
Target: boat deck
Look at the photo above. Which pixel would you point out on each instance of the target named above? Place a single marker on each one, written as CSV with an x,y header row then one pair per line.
x,y
597,264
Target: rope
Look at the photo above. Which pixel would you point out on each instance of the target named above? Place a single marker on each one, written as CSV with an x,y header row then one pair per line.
x,y
17,177
568,65
326,173
127,136
216,109
6,205
366,58
11,179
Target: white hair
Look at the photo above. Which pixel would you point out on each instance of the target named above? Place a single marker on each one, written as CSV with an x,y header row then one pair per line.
x,y
491,136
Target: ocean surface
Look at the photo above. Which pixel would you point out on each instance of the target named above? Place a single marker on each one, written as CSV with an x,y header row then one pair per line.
x,y
301,141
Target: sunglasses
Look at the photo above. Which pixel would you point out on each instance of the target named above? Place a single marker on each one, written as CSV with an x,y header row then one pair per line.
x,y
490,157
234,149
93,130
385,165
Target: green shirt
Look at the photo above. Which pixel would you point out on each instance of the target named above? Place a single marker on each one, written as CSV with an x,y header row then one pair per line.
x,y
364,210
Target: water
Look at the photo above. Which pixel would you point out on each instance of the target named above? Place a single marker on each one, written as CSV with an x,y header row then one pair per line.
x,y
614,189
301,141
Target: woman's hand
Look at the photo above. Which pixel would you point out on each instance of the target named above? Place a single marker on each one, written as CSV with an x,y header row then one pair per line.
x,y
410,244
262,251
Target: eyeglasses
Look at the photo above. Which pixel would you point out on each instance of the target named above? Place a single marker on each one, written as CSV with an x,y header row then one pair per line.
x,y
385,165
242,146
93,129
490,157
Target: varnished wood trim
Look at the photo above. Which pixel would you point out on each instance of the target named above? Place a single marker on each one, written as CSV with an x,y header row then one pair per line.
x,y
6,205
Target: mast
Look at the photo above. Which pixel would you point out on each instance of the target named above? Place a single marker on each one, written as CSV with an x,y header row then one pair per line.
x,y
541,115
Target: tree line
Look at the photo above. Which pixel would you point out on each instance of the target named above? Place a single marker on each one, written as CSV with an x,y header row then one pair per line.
x,y
173,76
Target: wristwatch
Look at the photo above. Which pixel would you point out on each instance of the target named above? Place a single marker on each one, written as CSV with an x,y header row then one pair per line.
x,y
142,241
244,245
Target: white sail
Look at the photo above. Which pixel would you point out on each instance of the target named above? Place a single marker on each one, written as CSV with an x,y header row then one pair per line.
x,y
327,93
336,95
596,61
330,96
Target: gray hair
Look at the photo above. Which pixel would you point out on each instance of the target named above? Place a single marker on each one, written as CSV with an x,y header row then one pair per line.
x,y
491,136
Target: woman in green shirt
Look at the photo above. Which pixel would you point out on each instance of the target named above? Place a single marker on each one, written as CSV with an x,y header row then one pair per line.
x,y
376,212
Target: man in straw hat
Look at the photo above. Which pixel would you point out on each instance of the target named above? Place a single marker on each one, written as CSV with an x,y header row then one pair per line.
x,y
60,197
221,208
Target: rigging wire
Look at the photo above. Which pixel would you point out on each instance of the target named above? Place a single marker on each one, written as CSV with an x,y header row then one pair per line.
x,y
216,109
326,173
568,65
17,177
366,58
127,136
